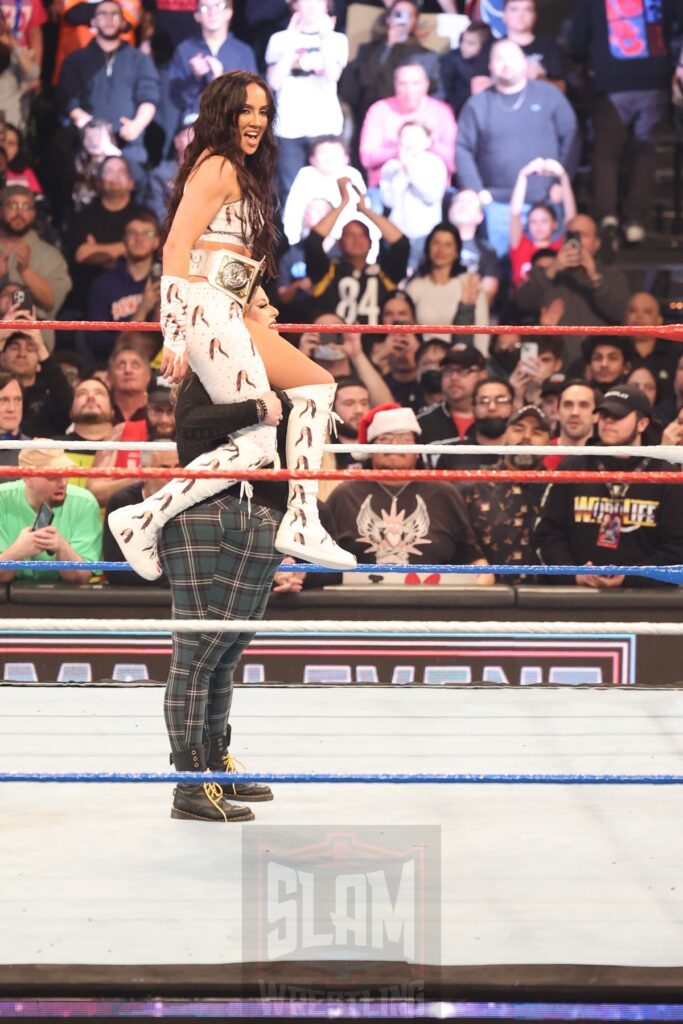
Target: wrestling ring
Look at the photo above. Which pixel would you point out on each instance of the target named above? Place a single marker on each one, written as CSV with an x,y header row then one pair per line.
x,y
472,852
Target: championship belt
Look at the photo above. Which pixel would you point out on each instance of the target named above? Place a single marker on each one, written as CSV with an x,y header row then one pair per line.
x,y
229,272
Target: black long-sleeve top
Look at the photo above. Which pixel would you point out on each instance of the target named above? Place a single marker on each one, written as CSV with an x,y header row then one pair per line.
x,y
573,516
201,426
47,402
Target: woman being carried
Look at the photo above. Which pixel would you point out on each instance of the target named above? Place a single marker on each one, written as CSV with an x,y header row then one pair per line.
x,y
221,214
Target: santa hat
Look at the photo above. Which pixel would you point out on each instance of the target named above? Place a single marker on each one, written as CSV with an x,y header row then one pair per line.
x,y
387,419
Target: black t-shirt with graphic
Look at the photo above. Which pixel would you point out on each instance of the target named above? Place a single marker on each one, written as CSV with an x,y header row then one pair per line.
x,y
416,523
641,524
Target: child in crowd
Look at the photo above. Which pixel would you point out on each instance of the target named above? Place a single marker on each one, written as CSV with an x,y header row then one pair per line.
x,y
327,163
458,66
412,187
542,222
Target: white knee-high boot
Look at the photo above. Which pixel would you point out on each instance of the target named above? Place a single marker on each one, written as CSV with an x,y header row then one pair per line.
x,y
301,534
136,527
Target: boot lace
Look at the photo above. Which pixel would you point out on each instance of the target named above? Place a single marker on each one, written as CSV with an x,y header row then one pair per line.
x,y
232,764
333,418
214,794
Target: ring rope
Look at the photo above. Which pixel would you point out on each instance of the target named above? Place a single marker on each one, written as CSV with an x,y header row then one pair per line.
x,y
511,475
671,332
420,778
335,626
668,573
663,453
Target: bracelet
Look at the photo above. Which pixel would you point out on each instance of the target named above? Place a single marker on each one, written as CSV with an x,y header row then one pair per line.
x,y
261,409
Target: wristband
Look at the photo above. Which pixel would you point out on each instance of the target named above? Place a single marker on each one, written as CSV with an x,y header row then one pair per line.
x,y
261,409
173,312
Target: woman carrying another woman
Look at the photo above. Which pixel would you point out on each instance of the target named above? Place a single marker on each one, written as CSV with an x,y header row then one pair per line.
x,y
220,216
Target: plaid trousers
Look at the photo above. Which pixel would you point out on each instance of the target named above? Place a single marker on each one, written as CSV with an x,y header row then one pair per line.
x,y
220,560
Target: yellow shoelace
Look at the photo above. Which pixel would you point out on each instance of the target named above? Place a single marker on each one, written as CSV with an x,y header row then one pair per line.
x,y
214,793
232,764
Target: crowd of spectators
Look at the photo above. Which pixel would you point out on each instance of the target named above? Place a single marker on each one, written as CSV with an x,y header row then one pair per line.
x,y
421,183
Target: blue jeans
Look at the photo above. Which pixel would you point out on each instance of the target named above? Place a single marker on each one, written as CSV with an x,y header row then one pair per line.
x,y
292,156
497,219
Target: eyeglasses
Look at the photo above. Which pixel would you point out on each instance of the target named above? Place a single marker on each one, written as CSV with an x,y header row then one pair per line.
x,y
402,437
131,233
15,204
500,400
206,8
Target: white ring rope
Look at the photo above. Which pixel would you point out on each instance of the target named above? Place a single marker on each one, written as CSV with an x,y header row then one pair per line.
x,y
321,626
665,453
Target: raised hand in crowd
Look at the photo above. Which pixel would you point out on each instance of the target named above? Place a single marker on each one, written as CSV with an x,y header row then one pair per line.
x,y
352,345
14,312
551,315
471,286
308,343
150,299
526,380
673,433
588,263
348,193
568,258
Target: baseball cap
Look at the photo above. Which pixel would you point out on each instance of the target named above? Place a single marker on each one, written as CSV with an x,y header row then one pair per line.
x,y
531,410
9,191
464,355
620,401
553,384
45,458
158,392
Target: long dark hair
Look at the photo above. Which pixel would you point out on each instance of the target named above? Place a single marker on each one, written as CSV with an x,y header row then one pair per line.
x,y
425,267
21,161
216,132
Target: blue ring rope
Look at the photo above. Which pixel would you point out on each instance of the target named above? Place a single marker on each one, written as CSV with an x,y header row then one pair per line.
x,y
364,777
664,573
342,1010
383,1009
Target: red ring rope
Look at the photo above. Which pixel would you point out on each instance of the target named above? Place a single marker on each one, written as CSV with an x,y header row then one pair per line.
x,y
517,475
672,332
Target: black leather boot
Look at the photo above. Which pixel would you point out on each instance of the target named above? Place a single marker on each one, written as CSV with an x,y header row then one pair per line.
x,y
203,801
219,759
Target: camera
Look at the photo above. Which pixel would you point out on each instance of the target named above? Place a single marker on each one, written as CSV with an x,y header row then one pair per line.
x,y
331,349
573,239
22,298
44,517
401,18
